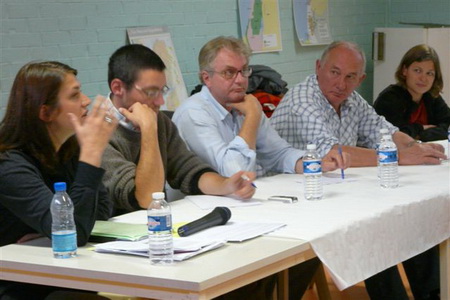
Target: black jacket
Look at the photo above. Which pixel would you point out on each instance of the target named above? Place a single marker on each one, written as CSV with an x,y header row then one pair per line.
x,y
26,191
396,105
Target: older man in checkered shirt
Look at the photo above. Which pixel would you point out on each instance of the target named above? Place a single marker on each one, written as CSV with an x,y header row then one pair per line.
x,y
326,110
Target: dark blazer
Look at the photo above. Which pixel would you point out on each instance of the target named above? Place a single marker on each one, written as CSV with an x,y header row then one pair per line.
x,y
396,105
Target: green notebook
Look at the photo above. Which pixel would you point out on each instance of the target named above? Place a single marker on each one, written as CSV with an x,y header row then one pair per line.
x,y
110,231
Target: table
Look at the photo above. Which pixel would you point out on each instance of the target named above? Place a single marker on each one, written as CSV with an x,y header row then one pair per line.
x,y
349,217
359,229
202,277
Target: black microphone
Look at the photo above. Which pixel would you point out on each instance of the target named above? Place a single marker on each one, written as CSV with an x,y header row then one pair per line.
x,y
219,216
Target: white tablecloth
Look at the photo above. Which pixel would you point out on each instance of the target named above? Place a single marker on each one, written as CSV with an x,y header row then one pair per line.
x,y
359,229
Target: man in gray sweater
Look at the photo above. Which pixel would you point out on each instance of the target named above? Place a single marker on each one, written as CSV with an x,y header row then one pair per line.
x,y
146,149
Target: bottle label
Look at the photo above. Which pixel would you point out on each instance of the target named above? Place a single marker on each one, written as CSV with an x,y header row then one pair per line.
x,y
312,167
449,135
387,156
64,241
160,223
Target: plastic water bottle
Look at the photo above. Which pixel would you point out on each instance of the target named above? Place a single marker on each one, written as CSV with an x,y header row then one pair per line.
x,y
388,159
64,232
312,172
448,150
383,131
160,239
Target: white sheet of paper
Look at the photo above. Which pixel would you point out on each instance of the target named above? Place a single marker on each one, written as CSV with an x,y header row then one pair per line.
x,y
334,178
210,202
237,231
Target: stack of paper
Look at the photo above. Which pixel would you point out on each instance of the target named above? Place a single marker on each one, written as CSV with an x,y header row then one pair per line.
x,y
184,248
197,243
133,239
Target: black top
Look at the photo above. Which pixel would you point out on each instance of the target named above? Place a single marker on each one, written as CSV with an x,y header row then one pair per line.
x,y
26,191
396,105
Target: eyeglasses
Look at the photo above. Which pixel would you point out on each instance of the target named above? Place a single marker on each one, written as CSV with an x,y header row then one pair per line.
x,y
232,73
153,93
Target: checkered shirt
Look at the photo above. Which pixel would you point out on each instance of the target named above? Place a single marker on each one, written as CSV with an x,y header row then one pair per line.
x,y
304,116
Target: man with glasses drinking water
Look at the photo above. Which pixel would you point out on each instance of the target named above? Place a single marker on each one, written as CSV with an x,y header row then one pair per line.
x,y
146,149
226,127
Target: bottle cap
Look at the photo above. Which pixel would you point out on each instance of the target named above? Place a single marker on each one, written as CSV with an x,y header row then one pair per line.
x,y
387,136
158,195
311,147
59,186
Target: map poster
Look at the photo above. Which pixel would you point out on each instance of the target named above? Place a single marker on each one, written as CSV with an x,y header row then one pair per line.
x,y
312,22
159,40
260,25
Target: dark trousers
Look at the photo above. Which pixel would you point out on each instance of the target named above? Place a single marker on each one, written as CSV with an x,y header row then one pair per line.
x,y
422,272
10,290
300,277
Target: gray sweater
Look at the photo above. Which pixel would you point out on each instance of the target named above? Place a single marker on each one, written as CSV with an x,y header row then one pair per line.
x,y
182,168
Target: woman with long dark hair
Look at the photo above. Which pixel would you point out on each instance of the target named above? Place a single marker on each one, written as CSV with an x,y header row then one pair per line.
x,y
47,136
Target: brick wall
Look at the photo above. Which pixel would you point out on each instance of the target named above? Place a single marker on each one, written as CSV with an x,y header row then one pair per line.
x,y
84,33
418,11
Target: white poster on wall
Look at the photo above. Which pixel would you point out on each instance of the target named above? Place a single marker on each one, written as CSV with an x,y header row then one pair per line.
x,y
260,25
159,40
312,22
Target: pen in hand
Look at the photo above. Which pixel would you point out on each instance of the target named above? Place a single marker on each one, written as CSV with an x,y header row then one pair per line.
x,y
340,153
245,177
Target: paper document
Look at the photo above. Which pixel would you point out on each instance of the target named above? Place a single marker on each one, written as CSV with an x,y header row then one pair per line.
x,y
237,231
208,239
119,231
210,202
333,178
184,248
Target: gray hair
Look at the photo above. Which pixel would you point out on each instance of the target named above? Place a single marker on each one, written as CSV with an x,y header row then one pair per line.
x,y
209,51
346,44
